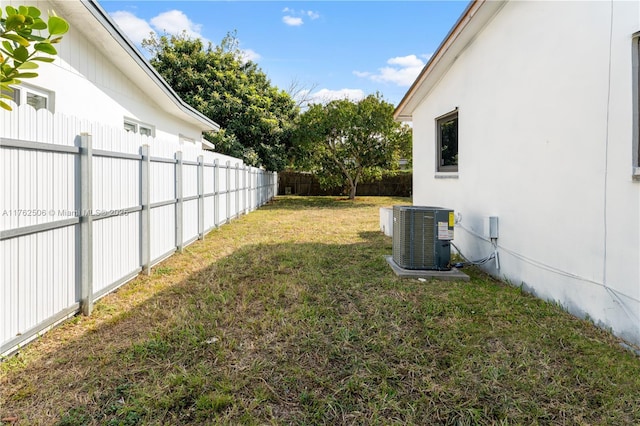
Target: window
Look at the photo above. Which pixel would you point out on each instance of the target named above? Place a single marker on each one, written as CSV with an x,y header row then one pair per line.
x,y
130,127
145,130
135,126
14,95
36,101
636,107
29,95
447,142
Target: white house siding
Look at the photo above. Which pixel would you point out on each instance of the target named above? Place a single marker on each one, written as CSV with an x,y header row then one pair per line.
x,y
544,94
88,85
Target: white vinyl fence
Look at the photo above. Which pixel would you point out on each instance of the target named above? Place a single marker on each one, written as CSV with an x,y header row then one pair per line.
x,y
85,208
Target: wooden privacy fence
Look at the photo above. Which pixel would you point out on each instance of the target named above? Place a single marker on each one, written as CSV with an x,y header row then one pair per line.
x,y
85,208
299,183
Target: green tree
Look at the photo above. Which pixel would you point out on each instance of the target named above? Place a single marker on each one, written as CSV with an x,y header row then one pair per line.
x,y
257,118
343,142
23,44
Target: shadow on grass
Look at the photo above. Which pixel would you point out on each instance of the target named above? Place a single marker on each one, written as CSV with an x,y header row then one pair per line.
x,y
326,334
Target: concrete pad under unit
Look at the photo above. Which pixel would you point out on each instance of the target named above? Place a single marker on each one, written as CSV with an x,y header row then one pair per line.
x,y
452,275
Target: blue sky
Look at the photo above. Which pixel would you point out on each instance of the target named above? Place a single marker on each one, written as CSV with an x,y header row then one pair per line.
x,y
335,49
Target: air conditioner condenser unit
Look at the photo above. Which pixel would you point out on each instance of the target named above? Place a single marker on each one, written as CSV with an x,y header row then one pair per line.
x,y
421,237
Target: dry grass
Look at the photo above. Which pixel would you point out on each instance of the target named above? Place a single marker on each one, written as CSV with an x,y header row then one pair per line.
x,y
290,315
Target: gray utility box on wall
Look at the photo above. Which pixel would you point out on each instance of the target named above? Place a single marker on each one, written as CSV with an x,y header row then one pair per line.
x,y
421,237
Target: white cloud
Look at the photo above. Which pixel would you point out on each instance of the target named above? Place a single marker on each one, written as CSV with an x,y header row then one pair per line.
x,y
399,76
174,22
171,22
402,71
292,21
409,61
135,28
294,18
325,95
250,55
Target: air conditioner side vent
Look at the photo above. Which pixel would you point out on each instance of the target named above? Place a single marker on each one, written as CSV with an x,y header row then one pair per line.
x,y
421,237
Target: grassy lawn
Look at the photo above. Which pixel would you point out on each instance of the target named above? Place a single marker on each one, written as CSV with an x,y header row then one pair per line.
x,y
291,315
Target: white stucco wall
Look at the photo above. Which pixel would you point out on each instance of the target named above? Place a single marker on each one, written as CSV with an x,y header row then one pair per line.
x,y
545,143
86,84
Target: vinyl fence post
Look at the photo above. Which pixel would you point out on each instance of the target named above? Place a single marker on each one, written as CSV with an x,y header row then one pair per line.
x,y
86,224
258,187
145,228
245,188
200,197
250,188
228,189
216,195
274,186
179,203
237,172
252,185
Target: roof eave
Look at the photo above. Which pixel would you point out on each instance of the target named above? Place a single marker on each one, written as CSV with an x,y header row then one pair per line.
x,y
155,83
477,14
208,144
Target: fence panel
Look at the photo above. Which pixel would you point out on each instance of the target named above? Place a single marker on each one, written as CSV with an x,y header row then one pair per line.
x,y
163,231
209,192
222,191
77,222
116,250
190,221
162,181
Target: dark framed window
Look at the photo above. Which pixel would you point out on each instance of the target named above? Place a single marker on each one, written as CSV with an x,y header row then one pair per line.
x,y
447,142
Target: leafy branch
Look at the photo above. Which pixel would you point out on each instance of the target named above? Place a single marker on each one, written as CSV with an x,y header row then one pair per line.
x,y
23,45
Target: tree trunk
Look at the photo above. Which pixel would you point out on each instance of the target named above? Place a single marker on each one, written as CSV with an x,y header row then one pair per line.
x,y
354,186
352,192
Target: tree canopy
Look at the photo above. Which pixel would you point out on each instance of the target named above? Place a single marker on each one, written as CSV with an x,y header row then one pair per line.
x,y
256,118
23,45
343,142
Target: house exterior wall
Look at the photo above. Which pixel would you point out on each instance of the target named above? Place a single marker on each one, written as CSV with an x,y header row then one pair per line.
x,y
87,84
544,98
